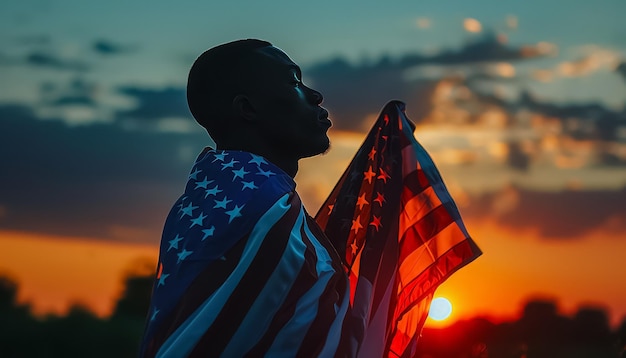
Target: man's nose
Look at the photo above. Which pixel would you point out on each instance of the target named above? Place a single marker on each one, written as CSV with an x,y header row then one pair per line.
x,y
316,96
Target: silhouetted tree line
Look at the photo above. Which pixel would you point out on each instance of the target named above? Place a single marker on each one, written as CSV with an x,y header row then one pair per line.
x,y
78,334
540,333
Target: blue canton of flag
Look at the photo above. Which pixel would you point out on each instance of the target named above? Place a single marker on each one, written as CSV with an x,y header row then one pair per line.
x,y
216,210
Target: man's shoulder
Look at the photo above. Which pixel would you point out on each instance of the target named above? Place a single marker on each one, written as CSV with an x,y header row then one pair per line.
x,y
236,173
226,194
232,189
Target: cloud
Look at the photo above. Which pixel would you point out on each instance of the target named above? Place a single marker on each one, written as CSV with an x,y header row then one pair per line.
x,y
595,59
92,180
512,22
77,102
47,60
587,133
487,48
556,215
476,88
354,92
526,130
157,109
76,92
567,135
516,157
74,100
42,52
589,60
5,59
423,23
106,47
621,69
34,40
472,25
85,181
154,103
598,122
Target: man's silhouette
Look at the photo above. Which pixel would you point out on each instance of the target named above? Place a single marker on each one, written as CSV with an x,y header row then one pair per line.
x,y
243,269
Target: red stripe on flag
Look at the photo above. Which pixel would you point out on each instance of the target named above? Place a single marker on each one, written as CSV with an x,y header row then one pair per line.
x,y
426,228
455,258
415,182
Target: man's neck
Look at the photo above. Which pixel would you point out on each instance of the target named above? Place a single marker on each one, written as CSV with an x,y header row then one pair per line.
x,y
288,165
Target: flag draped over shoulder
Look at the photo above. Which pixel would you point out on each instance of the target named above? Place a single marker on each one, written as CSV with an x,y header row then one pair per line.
x,y
400,234
243,269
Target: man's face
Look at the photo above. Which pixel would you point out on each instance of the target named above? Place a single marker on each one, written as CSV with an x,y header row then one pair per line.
x,y
289,113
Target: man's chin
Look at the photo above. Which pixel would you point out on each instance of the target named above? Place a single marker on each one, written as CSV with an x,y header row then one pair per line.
x,y
321,148
327,149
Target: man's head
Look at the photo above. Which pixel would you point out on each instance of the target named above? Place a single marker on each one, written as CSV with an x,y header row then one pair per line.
x,y
249,95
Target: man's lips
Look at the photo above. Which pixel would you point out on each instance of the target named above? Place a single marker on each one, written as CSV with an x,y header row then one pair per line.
x,y
323,118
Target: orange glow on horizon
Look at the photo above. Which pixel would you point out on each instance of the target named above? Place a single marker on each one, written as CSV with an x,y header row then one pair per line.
x,y
517,266
54,273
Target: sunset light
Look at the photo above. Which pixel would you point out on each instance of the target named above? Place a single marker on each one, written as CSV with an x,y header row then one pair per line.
x,y
521,106
440,309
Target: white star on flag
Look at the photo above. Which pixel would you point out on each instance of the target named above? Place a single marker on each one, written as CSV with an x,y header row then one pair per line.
x,y
257,160
183,255
221,204
239,173
248,185
208,232
203,184
265,173
234,213
230,164
198,220
162,279
213,191
219,157
195,174
174,242
188,210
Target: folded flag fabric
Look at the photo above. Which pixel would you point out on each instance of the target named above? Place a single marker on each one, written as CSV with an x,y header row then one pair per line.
x,y
243,269
399,233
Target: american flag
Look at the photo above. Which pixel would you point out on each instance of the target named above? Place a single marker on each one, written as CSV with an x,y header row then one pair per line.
x,y
243,269
399,233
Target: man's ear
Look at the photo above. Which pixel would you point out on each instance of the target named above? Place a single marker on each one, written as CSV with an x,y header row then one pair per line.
x,y
243,108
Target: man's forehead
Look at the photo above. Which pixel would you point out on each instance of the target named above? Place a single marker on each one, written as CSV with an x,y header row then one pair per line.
x,y
277,56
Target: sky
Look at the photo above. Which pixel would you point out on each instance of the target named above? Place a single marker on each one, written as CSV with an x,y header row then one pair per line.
x,y
522,106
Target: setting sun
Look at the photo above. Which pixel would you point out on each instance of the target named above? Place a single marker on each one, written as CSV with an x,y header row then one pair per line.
x,y
440,309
